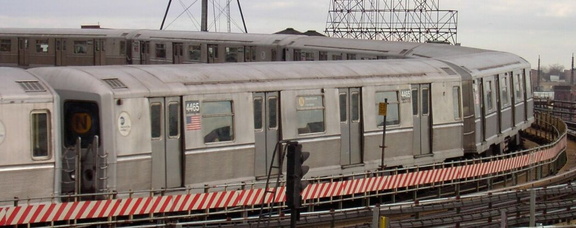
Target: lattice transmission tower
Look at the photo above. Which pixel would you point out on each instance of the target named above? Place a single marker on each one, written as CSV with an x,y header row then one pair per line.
x,y
392,20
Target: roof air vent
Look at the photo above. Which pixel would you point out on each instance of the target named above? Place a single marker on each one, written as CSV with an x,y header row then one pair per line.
x,y
31,86
115,83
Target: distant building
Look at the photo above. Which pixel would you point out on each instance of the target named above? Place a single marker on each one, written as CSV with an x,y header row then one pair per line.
x,y
565,93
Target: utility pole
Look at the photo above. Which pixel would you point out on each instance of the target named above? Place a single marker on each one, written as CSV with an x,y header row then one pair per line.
x,y
204,20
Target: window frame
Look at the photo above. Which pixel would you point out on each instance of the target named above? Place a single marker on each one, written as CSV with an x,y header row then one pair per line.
x,y
35,135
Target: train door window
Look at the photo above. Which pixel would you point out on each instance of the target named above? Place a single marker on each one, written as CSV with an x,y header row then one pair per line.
x,y
217,121
456,102
156,120
213,51
425,103
161,51
194,52
174,120
488,90
80,47
23,43
504,91
40,130
415,104
343,107
258,120
5,45
42,46
297,55
355,103
526,85
518,88
81,121
272,108
392,115
122,47
323,56
310,113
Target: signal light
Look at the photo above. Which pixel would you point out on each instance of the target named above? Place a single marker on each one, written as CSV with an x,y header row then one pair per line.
x,y
295,172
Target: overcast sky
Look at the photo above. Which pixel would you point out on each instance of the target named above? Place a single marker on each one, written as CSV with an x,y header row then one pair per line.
x,y
525,27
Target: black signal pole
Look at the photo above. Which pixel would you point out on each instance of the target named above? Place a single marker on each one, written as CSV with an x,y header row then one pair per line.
x,y
165,14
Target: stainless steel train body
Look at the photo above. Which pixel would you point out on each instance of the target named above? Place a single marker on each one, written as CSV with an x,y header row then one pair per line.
x,y
29,136
168,126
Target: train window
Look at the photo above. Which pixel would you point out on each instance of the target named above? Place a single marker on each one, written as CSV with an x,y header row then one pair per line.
x,y
456,102
156,120
488,90
323,55
217,120
272,112
40,129
122,47
194,52
504,91
355,103
350,56
526,85
42,46
174,120
258,113
343,107
310,113
425,103
336,57
415,97
392,115
5,45
308,56
518,88
213,51
232,54
80,47
160,51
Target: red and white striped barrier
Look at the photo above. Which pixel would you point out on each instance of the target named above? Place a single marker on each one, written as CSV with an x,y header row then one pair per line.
x,y
189,202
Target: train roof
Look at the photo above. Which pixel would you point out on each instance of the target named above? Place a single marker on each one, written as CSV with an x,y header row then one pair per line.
x,y
170,80
48,32
20,86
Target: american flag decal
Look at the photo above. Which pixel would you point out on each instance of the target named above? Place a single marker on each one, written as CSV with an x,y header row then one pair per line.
x,y
193,122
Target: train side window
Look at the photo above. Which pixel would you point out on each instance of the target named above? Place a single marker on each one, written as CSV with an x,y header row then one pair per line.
x,y
5,45
310,113
392,115
504,91
80,47
456,102
323,56
174,120
194,52
217,121
350,56
40,130
488,90
258,113
160,51
156,120
343,107
122,47
232,54
42,46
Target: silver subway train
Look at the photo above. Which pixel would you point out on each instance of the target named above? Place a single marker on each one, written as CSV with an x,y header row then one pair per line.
x,y
89,129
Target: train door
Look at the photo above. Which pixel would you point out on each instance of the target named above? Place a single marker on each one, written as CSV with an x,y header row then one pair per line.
x,y
60,52
498,104
266,130
81,148
166,142
22,51
145,52
422,117
212,53
177,53
350,126
99,52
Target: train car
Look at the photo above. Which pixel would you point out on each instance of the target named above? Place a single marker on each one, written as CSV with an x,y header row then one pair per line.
x,y
29,136
63,47
166,126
